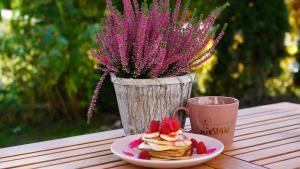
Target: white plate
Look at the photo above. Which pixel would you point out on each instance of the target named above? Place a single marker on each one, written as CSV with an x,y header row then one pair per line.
x,y
122,145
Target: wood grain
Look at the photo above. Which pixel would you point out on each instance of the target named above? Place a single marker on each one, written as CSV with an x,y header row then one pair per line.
x,y
262,146
108,165
227,162
278,158
270,152
58,143
267,132
240,127
291,163
263,139
140,100
267,137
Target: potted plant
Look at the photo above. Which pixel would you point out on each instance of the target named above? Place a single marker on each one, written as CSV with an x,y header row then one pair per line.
x,y
150,54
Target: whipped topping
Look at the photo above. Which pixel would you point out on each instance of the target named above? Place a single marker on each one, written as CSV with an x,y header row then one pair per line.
x,y
170,137
179,131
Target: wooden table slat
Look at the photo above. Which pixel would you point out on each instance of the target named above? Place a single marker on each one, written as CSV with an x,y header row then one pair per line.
x,y
262,146
268,132
86,162
55,156
291,163
108,165
278,158
261,123
270,152
266,127
58,150
265,108
224,161
286,113
58,143
263,139
269,112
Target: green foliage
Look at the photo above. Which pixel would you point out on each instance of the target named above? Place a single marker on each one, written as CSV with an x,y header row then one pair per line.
x,y
47,71
250,51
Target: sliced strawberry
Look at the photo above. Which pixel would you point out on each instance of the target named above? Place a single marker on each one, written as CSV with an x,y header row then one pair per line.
x,y
144,155
210,151
128,153
135,143
194,143
176,124
154,126
201,148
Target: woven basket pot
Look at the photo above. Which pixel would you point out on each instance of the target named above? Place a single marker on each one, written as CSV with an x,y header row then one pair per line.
x,y
141,100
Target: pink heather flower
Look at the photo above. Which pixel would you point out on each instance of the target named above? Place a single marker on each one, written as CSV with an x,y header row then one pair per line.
x,y
129,43
159,62
132,41
206,54
122,51
140,40
95,96
96,55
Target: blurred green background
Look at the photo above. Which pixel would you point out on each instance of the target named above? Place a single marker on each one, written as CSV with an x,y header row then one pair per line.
x,y
47,75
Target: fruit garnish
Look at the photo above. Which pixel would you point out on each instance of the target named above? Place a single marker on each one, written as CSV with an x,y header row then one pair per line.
x,y
210,151
165,128
154,126
128,153
176,124
201,148
170,123
135,143
144,155
194,143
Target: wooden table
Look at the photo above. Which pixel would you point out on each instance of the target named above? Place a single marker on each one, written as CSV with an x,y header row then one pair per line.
x,y
266,137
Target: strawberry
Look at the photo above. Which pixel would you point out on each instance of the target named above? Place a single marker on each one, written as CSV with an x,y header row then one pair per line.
x,y
201,149
194,143
176,124
170,124
164,127
144,155
154,125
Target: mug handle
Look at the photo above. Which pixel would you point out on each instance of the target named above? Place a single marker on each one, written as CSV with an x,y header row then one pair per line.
x,y
184,109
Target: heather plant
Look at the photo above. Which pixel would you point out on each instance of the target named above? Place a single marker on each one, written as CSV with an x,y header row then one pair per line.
x,y
152,42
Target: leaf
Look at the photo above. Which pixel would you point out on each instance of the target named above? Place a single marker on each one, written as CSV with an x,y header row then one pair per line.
x,y
55,53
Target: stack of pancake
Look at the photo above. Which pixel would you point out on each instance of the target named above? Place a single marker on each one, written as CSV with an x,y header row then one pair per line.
x,y
162,149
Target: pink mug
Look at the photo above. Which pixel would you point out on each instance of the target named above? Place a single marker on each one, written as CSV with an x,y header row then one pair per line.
x,y
213,116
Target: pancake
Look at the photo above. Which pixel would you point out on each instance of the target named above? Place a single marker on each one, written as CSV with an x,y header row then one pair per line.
x,y
185,156
182,141
159,147
175,153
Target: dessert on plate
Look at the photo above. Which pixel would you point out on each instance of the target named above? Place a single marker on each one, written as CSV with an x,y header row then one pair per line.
x,y
165,140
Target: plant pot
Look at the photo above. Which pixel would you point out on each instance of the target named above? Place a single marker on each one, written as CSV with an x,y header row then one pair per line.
x,y
141,100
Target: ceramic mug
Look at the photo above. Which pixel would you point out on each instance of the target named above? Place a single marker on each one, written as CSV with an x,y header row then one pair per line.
x,y
213,116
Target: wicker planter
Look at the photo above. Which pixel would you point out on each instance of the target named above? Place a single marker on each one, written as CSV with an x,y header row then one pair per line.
x,y
140,100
